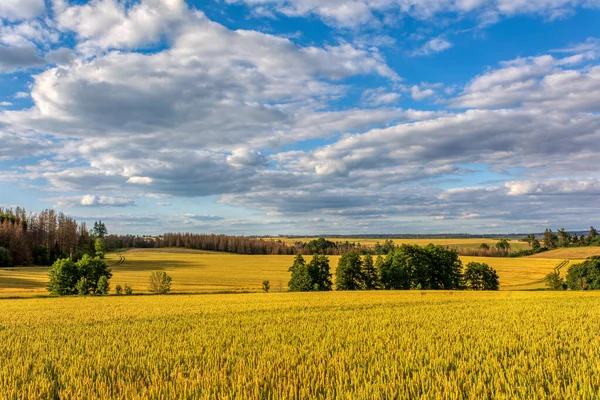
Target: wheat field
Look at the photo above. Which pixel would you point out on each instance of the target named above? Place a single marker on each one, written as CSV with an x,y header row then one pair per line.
x,y
202,272
338,345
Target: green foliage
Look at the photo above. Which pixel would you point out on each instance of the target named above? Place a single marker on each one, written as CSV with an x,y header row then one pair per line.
x,y
585,276
127,289
67,277
99,229
320,246
118,289
387,247
314,276
555,281
593,232
63,278
266,286
103,285
503,244
369,273
160,282
99,248
484,246
82,286
349,272
480,276
5,258
432,267
550,239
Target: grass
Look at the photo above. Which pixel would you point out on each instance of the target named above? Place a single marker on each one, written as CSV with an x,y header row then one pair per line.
x,y
346,345
202,272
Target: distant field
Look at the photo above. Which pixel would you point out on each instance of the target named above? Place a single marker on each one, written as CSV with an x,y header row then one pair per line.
x,y
346,345
570,253
196,271
454,243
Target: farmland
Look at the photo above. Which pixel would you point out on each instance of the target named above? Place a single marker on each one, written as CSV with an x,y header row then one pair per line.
x,y
358,345
201,272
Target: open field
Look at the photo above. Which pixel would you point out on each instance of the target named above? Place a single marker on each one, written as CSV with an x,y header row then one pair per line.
x,y
197,271
569,253
454,243
350,345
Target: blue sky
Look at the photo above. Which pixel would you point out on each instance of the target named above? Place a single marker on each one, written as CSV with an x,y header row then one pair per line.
x,y
303,116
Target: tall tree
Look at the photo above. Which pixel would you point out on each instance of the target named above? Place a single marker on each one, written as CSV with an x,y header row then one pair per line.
x,y
369,273
348,275
550,239
319,273
99,229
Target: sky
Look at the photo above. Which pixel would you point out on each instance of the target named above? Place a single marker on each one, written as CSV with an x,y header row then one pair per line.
x,y
300,117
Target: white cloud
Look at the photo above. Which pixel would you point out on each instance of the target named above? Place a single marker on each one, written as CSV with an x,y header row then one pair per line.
x,y
21,9
92,201
141,180
433,46
420,94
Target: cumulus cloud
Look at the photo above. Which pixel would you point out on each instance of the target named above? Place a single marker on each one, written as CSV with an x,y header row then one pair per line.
x,y
21,9
92,201
19,58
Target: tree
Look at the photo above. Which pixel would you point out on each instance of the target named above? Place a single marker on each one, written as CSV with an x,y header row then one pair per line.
x,y
349,272
99,247
369,273
63,278
550,239
535,245
103,285
484,246
564,238
160,282
318,270
300,280
5,258
99,229
529,239
93,269
127,289
266,286
118,289
585,276
480,276
593,232
503,244
554,281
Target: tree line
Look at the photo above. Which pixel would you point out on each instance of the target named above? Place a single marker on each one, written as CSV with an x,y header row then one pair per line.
x,y
42,238
405,267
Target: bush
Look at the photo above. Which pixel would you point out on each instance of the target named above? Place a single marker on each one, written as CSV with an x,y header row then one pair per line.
x,y
127,289
82,287
5,258
480,276
118,289
266,286
103,285
160,282
585,276
554,281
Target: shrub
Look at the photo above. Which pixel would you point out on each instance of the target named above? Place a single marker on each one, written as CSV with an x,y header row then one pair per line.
x,y
82,286
480,276
63,278
266,286
118,289
127,289
554,281
160,282
103,285
5,258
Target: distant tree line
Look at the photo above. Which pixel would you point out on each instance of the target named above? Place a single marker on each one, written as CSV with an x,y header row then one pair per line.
x,y
562,238
403,268
42,238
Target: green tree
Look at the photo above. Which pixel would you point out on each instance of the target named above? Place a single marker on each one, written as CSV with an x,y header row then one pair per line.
x,y
266,286
585,276
99,229
63,277
484,246
503,244
5,258
82,286
349,272
593,232
550,239
480,276
319,272
118,289
369,273
99,247
535,245
160,282
93,269
564,238
554,281
103,285
127,289
300,281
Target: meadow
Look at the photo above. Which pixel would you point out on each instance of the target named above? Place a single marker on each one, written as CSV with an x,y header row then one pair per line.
x,y
201,272
343,345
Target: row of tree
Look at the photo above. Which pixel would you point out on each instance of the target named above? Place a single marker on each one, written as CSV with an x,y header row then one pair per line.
x,y
405,267
563,238
42,238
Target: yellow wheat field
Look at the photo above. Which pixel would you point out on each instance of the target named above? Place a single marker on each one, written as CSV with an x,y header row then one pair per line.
x,y
200,272
337,345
